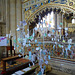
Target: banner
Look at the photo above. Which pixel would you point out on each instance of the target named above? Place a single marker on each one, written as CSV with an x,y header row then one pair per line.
x,y
3,41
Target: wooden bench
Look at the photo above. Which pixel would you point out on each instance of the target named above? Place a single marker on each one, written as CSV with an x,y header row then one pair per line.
x,y
4,60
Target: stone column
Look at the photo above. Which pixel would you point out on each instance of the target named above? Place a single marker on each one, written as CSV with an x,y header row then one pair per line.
x,y
18,18
62,21
12,18
7,17
4,10
65,24
54,18
58,19
55,15
58,22
62,24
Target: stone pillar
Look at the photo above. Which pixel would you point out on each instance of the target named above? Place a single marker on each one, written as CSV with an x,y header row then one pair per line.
x,y
18,18
58,22
7,17
12,17
4,10
62,23
65,23
58,19
1,13
62,20
18,11
55,21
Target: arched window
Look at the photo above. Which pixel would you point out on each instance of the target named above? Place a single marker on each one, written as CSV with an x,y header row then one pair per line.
x,y
73,21
47,21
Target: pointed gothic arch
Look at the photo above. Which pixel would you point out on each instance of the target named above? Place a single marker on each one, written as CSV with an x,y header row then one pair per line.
x,y
67,9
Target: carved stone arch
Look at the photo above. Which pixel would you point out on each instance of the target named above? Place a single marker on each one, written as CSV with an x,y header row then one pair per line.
x,y
41,8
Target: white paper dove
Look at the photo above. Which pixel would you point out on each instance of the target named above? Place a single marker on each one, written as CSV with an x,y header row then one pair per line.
x,y
24,23
66,28
49,35
18,29
35,28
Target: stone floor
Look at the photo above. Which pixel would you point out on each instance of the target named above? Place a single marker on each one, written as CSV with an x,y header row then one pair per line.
x,y
56,72
66,67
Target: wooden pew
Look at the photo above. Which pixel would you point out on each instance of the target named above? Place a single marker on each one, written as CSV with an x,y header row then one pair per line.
x,y
4,60
17,57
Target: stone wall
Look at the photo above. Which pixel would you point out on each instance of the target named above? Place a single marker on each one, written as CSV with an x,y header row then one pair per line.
x,y
2,18
11,13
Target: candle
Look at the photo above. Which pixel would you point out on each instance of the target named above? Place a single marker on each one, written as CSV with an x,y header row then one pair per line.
x,y
10,32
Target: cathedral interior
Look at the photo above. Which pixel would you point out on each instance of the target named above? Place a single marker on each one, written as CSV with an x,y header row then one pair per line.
x,y
37,37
